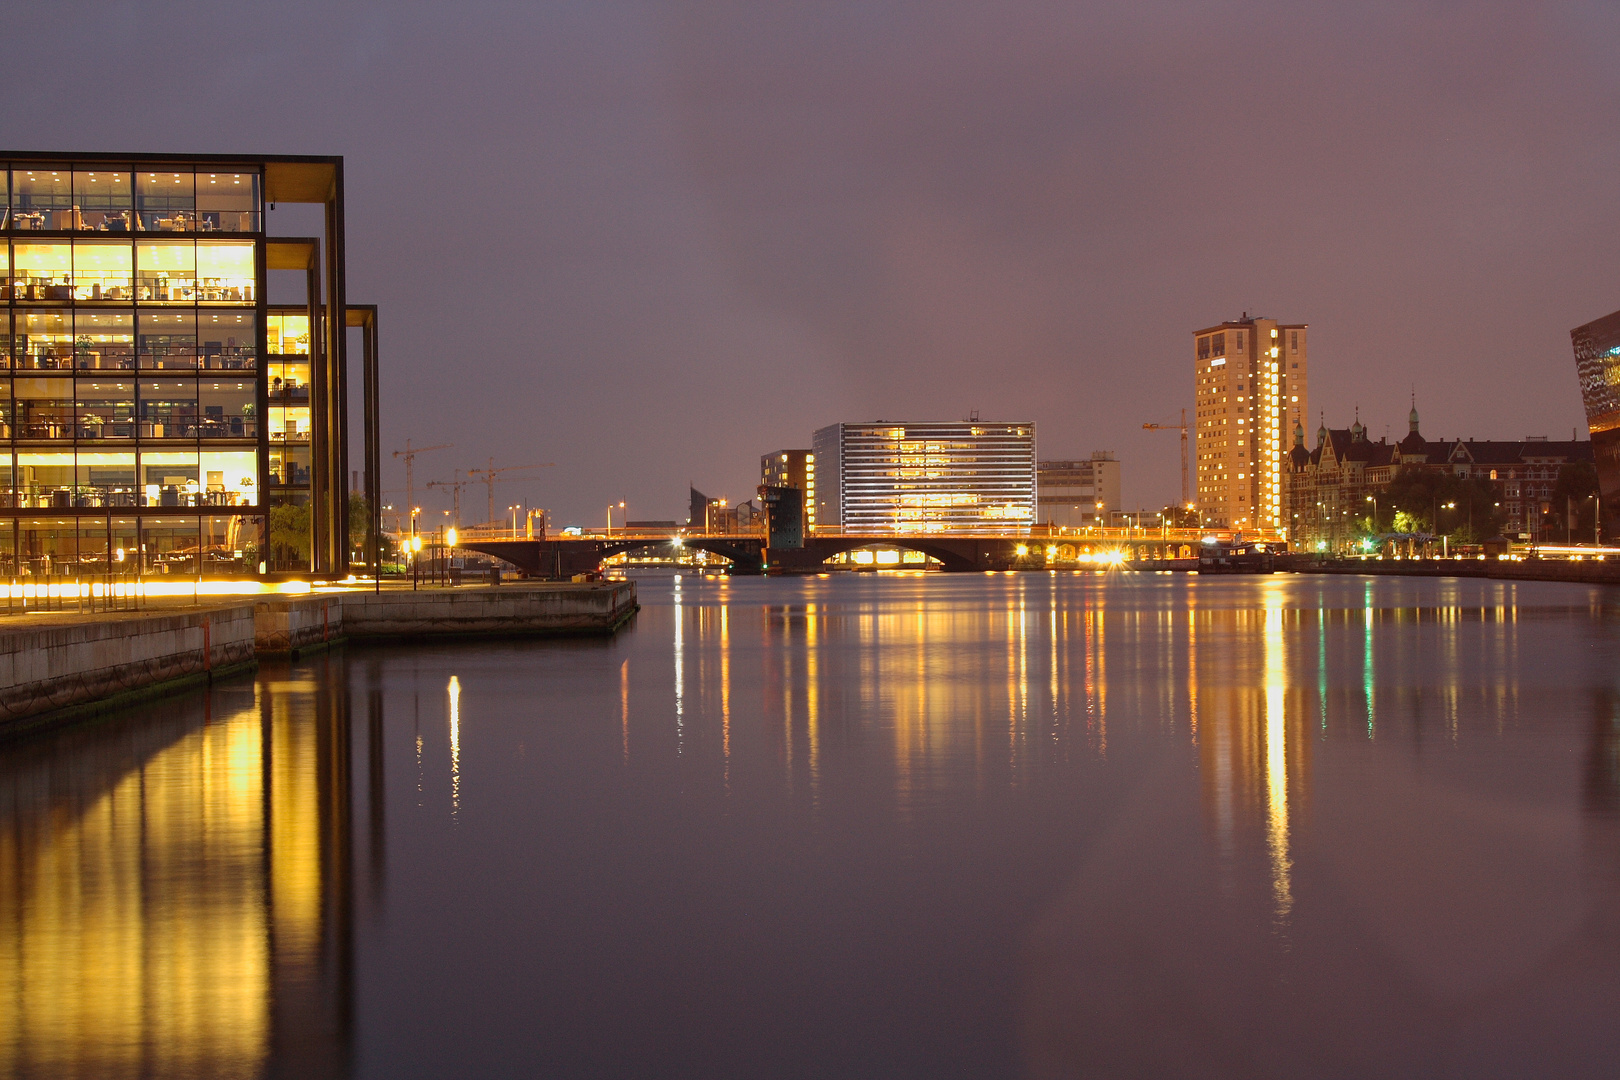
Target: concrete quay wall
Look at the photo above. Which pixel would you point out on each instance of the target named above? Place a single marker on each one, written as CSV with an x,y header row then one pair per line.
x,y
496,611
291,625
1580,573
66,670
78,664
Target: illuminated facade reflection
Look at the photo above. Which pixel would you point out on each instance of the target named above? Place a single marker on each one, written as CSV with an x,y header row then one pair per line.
x,y
176,892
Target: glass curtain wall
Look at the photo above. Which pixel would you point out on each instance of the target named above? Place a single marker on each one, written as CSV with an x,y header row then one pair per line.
x,y
288,380
129,342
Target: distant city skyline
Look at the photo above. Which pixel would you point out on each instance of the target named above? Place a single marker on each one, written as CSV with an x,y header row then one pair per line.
x,y
652,243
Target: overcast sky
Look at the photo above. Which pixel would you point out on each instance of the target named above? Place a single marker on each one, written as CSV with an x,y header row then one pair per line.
x,y
650,242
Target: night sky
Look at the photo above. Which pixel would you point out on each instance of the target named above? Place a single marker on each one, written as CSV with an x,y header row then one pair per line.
x,y
650,242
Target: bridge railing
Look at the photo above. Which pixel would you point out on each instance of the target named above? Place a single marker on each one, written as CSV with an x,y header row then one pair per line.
x,y
1035,534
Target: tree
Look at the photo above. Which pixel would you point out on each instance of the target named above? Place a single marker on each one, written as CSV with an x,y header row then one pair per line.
x,y
1576,486
359,524
1465,507
290,541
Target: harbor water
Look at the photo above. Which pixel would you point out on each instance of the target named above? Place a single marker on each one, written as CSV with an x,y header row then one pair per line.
x,y
860,825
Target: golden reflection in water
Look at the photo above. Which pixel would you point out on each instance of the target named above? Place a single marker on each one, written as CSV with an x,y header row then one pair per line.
x,y
680,675
1192,668
812,696
454,691
1276,686
172,892
1096,680
725,692
1253,735
624,708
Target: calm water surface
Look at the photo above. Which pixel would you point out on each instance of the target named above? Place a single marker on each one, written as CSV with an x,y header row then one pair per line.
x,y
976,826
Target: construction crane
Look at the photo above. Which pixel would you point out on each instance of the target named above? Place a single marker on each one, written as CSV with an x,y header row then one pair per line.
x,y
455,486
489,476
409,454
1186,503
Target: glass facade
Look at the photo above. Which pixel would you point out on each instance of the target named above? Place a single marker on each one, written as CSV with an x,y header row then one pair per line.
x,y
1597,365
967,477
132,388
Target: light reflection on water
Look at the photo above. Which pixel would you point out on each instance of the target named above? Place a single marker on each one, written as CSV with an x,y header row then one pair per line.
x,y
1046,825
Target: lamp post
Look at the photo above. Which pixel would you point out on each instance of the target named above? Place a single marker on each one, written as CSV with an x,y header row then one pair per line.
x,y
1374,500
413,545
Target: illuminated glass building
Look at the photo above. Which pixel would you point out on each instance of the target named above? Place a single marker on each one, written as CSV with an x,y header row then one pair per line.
x,y
1251,376
968,477
1597,363
156,414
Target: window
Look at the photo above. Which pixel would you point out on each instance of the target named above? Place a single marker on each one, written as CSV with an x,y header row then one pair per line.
x,y
1203,348
109,479
102,271
1239,341
167,339
165,202
227,409
227,341
104,339
1217,344
1293,342
42,198
228,202
167,477
225,272
166,272
227,477
106,409
44,339
43,271
101,200
169,409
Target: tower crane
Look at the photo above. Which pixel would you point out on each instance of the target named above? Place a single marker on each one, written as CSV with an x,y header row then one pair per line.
x,y
409,454
1186,503
490,476
455,486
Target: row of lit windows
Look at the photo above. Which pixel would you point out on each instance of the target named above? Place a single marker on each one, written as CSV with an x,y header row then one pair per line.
x,y
146,271
35,198
66,479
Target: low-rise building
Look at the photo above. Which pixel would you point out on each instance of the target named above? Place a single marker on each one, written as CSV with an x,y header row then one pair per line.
x,y
1333,488
1077,494
792,469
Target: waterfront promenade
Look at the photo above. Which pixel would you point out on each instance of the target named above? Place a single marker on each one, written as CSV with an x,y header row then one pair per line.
x,y
60,665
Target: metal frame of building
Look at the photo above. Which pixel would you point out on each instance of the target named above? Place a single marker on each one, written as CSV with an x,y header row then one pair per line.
x,y
136,213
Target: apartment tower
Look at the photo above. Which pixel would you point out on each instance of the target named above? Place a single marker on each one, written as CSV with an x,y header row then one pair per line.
x,y
1251,399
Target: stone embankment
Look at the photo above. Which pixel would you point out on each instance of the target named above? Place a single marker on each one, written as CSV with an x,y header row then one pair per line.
x,y
1588,572
58,666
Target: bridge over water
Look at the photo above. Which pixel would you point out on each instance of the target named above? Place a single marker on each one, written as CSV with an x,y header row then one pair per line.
x,y
562,557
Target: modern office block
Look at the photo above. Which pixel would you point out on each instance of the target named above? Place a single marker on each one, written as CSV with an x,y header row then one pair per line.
x,y
794,469
1597,364
968,477
157,415
1251,376
1076,494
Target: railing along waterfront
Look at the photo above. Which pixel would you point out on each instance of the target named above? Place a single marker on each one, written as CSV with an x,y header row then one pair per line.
x,y
1035,532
